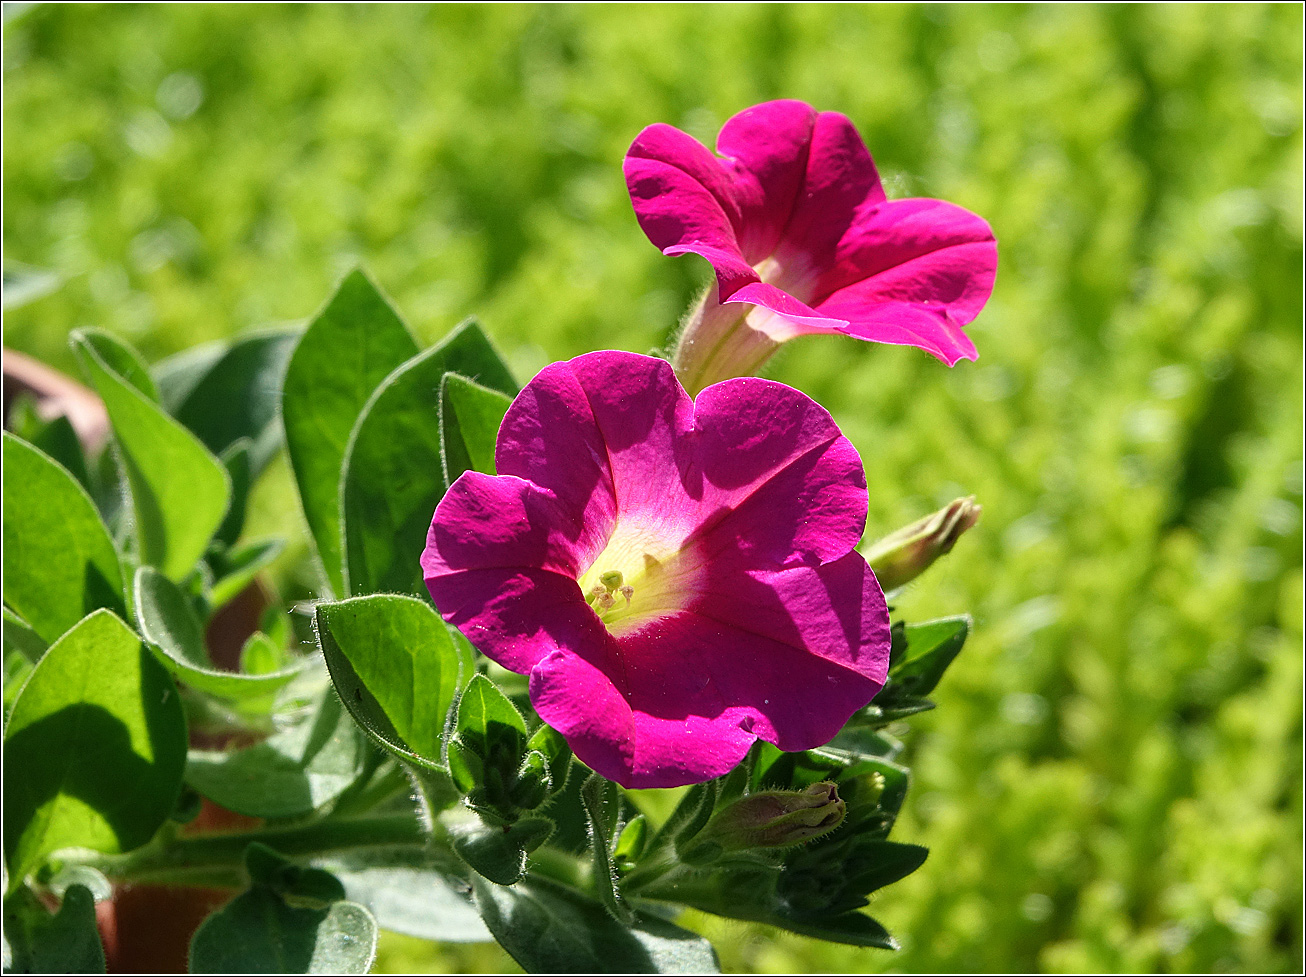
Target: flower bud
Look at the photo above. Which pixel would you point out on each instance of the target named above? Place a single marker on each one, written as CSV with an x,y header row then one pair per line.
x,y
776,818
904,555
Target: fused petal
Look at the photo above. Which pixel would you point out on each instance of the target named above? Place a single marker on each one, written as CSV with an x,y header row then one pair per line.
x,y
687,584
793,218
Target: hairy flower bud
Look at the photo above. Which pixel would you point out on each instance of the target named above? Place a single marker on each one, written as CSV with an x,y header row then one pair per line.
x,y
776,818
904,555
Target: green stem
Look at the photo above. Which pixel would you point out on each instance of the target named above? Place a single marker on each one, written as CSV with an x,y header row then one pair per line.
x,y
561,867
207,859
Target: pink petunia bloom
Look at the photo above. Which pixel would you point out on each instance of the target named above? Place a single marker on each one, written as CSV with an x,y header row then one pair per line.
x,y
676,577
794,221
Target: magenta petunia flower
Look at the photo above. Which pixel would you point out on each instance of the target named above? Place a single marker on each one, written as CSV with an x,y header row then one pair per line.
x,y
676,577
794,221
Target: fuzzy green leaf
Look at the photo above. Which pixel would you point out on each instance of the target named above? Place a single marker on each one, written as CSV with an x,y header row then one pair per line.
x,y
121,359
258,932
417,897
59,561
236,397
470,415
179,490
549,928
396,668
349,348
39,942
291,773
393,473
168,622
94,749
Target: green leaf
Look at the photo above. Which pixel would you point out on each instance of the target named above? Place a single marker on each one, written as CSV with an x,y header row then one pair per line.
x,y
56,437
38,942
396,669
17,670
236,396
353,344
301,768
258,932
268,867
176,376
94,749
179,491
602,806
121,359
489,742
260,655
237,567
470,416
59,561
931,648
236,460
499,852
20,637
891,861
410,895
549,928
393,472
852,929
168,622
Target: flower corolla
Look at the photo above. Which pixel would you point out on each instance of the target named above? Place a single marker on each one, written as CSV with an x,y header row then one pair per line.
x,y
677,577
794,221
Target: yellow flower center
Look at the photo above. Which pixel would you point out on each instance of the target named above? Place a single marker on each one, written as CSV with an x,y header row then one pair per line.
x,y
640,576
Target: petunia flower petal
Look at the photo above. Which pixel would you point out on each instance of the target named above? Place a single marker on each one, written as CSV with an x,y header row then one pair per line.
x,y
768,449
684,202
728,525
841,184
764,150
793,218
947,252
517,615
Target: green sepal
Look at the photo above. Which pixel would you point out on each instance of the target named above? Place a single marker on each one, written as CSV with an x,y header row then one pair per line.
x,y
929,648
603,808
499,852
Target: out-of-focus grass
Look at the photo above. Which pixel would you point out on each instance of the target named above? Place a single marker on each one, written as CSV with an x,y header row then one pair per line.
x,y
1113,778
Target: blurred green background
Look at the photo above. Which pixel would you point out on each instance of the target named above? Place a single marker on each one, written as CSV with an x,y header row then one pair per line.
x,y
1113,778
